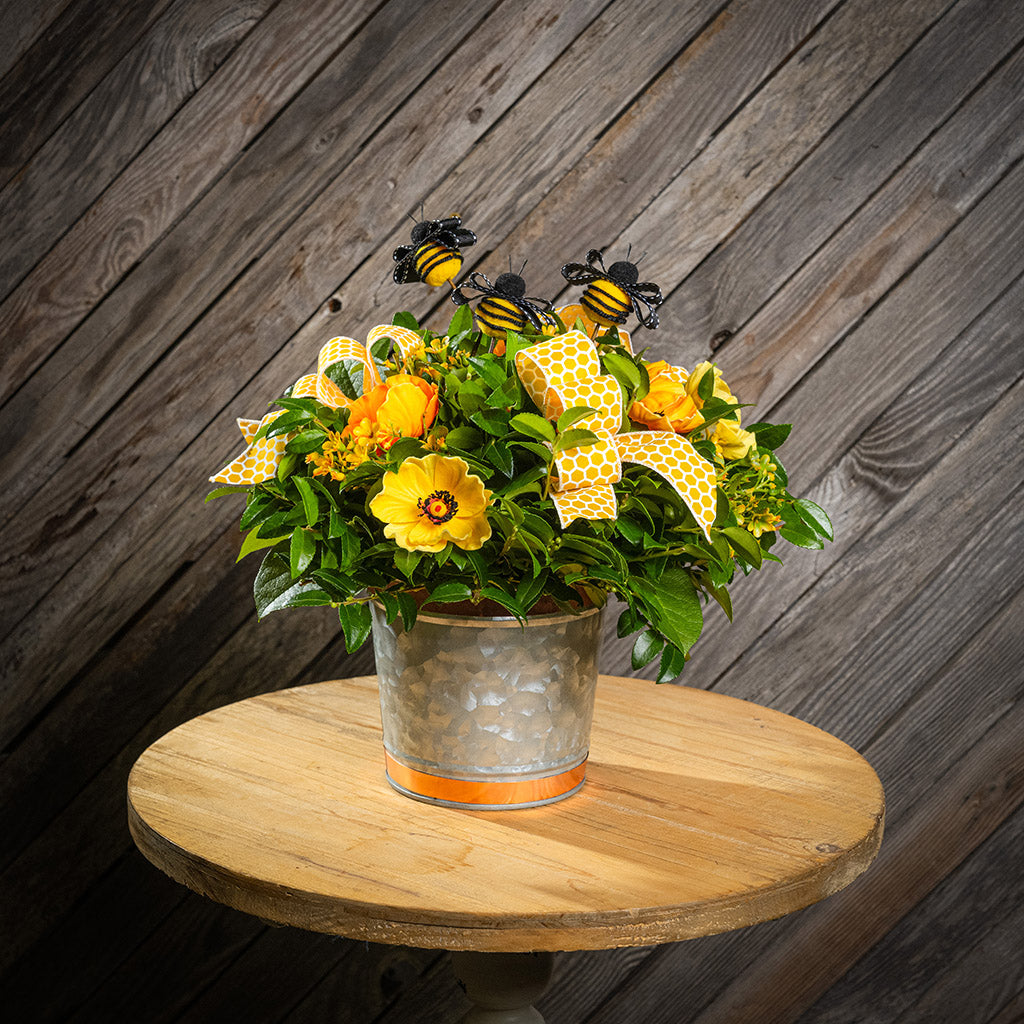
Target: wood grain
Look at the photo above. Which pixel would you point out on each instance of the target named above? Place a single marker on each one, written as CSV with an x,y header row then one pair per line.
x,y
828,193
172,61
761,815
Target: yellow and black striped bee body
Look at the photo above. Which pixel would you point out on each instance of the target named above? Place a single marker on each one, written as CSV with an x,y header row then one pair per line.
x,y
434,253
612,294
504,306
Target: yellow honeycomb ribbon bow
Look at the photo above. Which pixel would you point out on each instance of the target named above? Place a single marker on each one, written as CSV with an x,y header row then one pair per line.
x,y
565,372
259,461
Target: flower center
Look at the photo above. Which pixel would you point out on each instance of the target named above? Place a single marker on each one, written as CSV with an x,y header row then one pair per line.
x,y
438,507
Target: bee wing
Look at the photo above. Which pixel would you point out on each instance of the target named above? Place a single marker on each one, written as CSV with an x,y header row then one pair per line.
x,y
464,237
649,292
544,304
529,310
650,319
579,273
405,265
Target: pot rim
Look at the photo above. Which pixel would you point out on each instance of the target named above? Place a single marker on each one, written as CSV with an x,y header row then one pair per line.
x,y
503,621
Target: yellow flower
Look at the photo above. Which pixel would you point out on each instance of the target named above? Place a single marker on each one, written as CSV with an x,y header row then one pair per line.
x,y
693,382
731,440
432,501
667,405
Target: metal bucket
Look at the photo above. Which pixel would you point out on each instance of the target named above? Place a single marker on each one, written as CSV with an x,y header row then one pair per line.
x,y
485,712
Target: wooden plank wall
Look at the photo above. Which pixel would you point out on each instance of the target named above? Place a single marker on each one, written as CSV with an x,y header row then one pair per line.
x,y
194,194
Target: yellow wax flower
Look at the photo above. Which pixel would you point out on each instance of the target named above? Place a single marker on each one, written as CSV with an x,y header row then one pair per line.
x,y
432,501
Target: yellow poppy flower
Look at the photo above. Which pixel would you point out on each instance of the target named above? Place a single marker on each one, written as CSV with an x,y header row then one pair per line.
x,y
432,501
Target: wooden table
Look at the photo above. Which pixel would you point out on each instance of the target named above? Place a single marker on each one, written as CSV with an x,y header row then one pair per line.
x,y
701,813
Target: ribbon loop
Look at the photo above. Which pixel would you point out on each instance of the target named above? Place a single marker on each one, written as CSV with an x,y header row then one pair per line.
x,y
565,372
259,461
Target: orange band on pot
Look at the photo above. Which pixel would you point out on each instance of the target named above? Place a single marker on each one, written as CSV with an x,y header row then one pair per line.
x,y
462,791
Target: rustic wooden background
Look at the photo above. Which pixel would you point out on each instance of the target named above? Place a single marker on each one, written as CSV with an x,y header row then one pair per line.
x,y
194,194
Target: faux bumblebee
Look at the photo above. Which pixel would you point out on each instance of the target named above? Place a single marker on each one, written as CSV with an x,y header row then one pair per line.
x,y
504,306
612,294
434,255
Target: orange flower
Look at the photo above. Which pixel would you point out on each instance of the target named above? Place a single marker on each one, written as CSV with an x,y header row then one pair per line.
x,y
402,406
667,405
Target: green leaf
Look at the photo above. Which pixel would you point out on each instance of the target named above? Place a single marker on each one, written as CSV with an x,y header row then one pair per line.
x,y
506,600
464,437
573,415
673,661
538,449
404,319
629,622
527,481
288,464
258,508
407,606
305,441
674,605
254,542
284,424
450,591
624,370
301,551
274,589
770,435
815,517
532,425
406,561
219,492
490,368
630,529
406,448
745,544
646,648
356,624
310,504
800,535
575,439
500,457
391,607
706,386
530,589
493,421
462,320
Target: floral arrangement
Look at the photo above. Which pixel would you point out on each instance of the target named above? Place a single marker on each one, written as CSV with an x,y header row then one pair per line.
x,y
528,461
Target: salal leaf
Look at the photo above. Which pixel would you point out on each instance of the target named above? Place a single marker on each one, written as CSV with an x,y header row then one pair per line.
x,y
301,551
310,502
532,425
356,624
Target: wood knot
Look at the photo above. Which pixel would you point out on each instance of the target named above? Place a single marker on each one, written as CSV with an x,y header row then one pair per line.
x,y
719,339
334,304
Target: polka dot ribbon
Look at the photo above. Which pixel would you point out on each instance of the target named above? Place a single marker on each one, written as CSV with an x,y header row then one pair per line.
x,y
566,372
260,459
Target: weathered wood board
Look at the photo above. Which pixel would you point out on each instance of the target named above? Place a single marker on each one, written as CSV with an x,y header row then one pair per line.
x,y
193,196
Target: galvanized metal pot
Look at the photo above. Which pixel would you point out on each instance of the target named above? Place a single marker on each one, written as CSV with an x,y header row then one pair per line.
x,y
485,712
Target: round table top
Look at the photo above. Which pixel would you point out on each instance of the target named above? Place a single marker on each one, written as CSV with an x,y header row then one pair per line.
x,y
700,813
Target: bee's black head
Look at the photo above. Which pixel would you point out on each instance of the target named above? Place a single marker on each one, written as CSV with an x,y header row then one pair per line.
x,y
624,272
422,230
510,284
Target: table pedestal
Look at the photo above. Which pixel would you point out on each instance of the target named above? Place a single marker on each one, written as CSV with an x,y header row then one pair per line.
x,y
503,986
